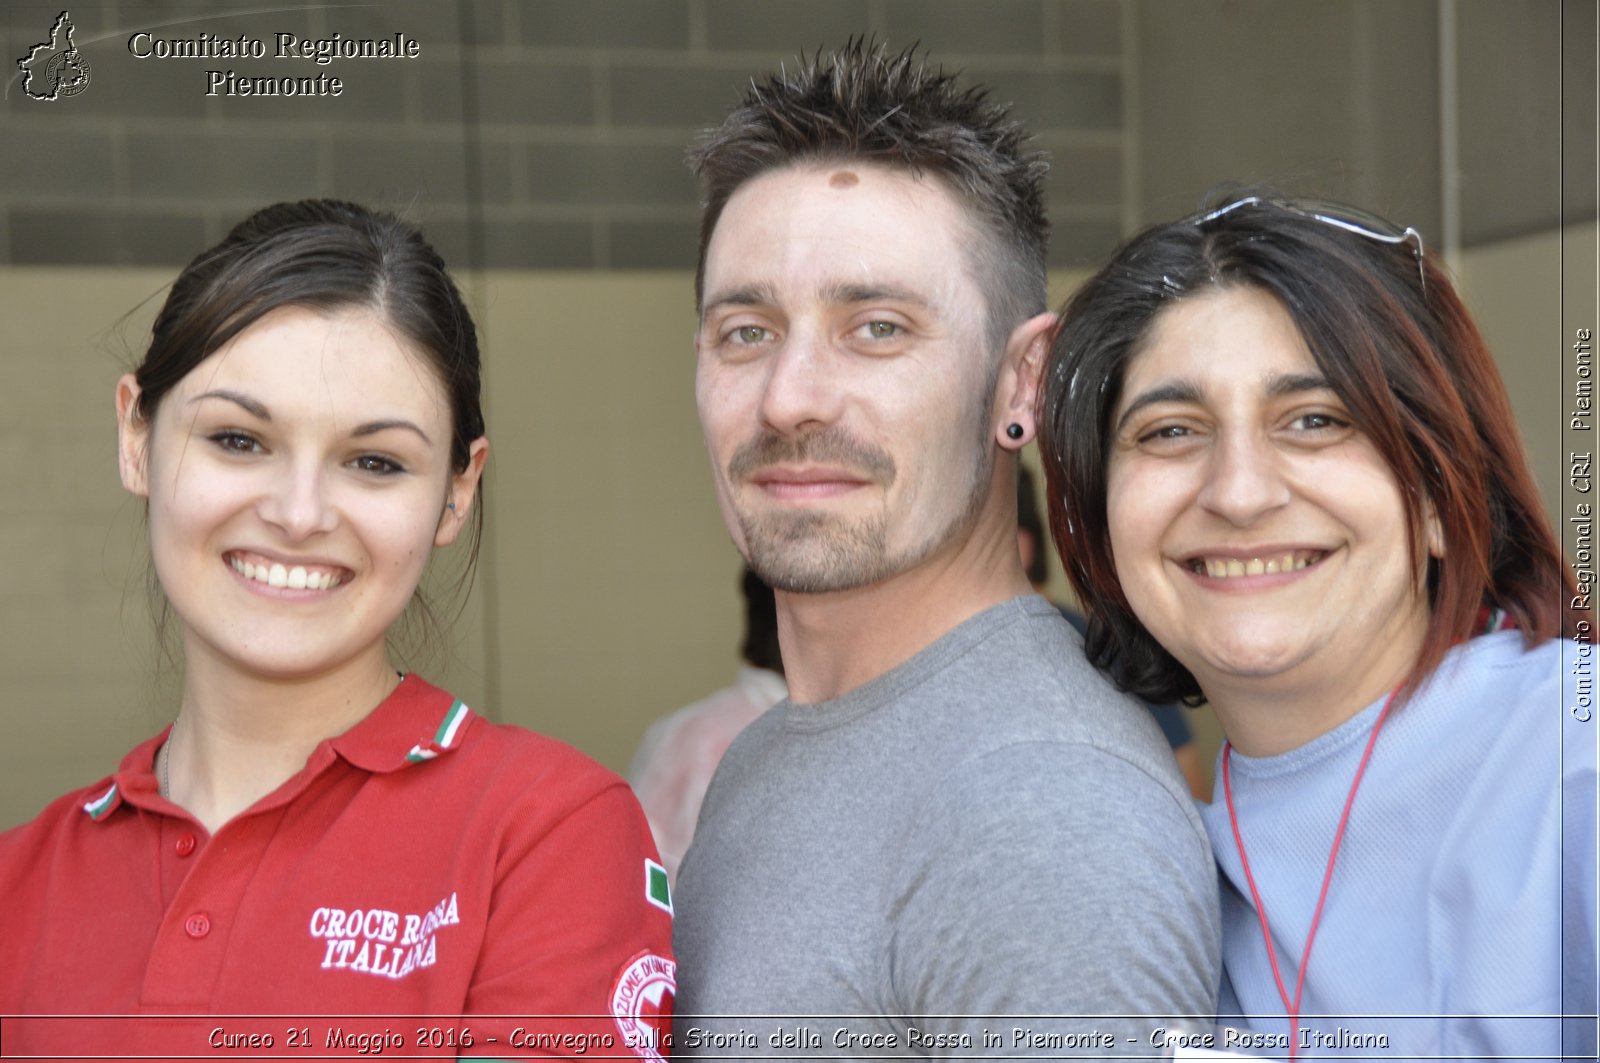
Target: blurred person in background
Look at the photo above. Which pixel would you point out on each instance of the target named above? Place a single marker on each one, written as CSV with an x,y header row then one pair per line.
x,y
679,753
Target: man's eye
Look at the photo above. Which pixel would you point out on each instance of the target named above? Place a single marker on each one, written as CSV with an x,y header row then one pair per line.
x,y
749,334
881,330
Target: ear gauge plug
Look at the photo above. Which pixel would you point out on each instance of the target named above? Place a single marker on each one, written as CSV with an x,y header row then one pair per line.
x,y
1014,430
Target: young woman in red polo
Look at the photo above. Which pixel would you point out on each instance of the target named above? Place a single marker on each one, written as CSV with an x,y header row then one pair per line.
x,y
323,856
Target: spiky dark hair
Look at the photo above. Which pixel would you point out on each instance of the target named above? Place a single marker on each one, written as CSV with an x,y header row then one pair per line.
x,y
867,104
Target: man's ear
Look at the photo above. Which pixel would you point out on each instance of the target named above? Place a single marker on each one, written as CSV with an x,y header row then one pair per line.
x,y
463,493
1021,370
133,438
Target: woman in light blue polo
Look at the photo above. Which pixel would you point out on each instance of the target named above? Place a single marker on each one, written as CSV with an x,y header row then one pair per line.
x,y
1287,481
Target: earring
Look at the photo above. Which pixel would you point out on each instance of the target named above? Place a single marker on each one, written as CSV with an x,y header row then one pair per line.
x,y
451,506
1014,430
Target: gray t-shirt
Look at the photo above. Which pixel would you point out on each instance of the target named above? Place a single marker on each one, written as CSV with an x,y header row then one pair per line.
x,y
988,830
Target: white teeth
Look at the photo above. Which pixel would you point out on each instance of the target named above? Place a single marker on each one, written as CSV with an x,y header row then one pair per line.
x,y
1235,568
1254,567
1271,568
276,575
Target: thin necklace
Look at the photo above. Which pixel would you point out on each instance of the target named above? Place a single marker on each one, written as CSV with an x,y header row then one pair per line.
x,y
1292,1007
164,758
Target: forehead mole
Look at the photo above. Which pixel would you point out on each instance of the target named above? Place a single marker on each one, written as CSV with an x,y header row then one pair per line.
x,y
843,179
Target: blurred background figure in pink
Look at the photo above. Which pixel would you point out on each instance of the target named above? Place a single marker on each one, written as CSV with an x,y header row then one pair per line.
x,y
680,752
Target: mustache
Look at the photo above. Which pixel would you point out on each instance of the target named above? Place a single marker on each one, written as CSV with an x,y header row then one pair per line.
x,y
831,446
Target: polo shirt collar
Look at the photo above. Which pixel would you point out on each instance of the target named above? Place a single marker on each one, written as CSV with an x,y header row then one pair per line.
x,y
416,723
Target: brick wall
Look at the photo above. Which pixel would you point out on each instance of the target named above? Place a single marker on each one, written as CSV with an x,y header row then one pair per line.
x,y
538,134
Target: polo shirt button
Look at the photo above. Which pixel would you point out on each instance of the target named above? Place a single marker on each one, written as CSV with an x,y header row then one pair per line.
x,y
185,845
197,925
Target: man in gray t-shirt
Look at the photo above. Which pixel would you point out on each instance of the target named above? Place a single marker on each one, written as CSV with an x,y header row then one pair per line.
x,y
953,837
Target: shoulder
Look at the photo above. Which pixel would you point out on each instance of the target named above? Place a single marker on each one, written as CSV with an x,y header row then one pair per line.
x,y
1058,859
80,811
1511,728
1496,693
505,756
65,822
1070,788
1037,692
1506,663
430,755
431,724
1040,657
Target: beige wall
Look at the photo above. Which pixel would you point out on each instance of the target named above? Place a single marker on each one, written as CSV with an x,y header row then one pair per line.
x,y
76,656
606,590
612,593
1529,296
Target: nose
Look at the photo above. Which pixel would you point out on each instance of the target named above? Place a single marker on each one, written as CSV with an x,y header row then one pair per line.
x,y
801,392
1244,479
297,501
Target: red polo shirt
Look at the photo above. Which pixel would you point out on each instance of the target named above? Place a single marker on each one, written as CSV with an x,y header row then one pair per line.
x,y
454,878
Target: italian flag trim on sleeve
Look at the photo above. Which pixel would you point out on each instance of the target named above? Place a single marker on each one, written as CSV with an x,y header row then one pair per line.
x,y
656,888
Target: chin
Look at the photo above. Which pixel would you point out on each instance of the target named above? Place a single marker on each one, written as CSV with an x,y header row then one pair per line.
x,y
289,657
1249,662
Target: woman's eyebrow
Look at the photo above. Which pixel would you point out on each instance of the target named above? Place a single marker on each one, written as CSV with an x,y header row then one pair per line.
x,y
1185,391
250,405
1295,383
1176,391
373,427
258,410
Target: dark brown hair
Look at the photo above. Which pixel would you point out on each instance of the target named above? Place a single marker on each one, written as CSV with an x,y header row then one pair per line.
x,y
1028,520
865,104
760,647
1402,354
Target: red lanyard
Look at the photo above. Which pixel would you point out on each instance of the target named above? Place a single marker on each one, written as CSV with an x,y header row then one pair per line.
x,y
1293,1007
